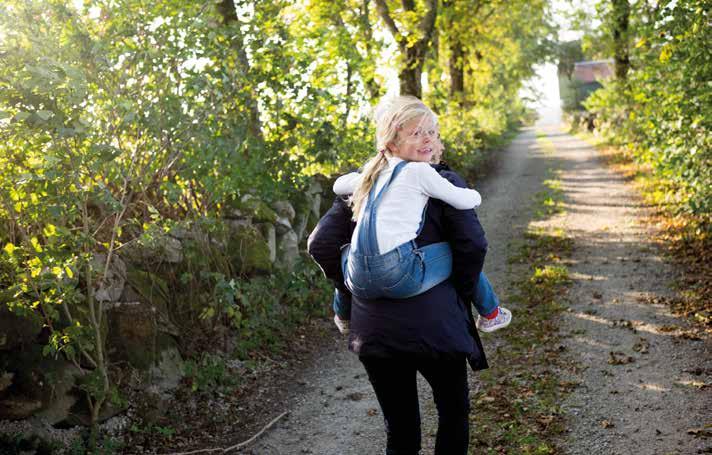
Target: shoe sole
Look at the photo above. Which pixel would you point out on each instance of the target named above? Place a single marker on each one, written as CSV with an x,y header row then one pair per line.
x,y
494,329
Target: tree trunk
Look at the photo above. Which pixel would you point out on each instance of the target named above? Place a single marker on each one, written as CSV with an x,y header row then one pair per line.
x,y
457,71
226,8
413,53
369,80
410,73
621,17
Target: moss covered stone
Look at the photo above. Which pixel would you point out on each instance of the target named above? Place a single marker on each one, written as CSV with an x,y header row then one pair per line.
x,y
249,250
257,209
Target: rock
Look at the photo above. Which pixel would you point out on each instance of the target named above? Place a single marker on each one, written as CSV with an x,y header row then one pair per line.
x,y
316,190
167,372
137,335
110,288
38,385
257,209
18,407
284,209
239,223
308,206
64,396
287,250
17,331
249,250
172,250
282,225
79,413
132,334
181,233
160,247
303,206
269,232
146,287
6,380
235,214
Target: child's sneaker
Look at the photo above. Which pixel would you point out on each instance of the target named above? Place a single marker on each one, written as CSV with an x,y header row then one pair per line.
x,y
342,325
502,320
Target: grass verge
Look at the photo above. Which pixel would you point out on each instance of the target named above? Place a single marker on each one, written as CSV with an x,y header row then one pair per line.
x,y
517,409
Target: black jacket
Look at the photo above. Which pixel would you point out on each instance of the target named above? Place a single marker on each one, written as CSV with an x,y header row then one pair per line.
x,y
434,324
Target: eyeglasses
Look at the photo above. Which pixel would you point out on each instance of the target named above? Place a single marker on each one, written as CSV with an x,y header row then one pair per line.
x,y
419,133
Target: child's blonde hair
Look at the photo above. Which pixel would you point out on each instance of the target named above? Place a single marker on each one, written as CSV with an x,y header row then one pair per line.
x,y
390,116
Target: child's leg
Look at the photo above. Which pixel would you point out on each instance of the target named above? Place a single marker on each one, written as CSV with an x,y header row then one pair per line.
x,y
342,305
492,316
486,302
437,264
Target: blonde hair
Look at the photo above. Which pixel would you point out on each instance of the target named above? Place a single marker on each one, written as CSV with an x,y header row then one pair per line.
x,y
390,115
438,149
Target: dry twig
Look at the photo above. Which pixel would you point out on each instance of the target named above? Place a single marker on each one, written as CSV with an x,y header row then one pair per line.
x,y
236,446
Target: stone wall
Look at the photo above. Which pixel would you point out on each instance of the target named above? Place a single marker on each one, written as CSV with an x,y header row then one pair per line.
x,y
260,238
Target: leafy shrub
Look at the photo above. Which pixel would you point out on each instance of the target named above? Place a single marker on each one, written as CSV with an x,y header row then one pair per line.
x,y
663,112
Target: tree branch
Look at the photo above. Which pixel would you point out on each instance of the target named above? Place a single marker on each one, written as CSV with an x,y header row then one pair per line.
x,y
386,16
427,24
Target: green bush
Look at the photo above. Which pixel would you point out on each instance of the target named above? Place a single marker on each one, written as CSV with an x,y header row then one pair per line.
x,y
663,111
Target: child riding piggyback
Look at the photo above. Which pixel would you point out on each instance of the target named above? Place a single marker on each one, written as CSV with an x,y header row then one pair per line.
x,y
389,198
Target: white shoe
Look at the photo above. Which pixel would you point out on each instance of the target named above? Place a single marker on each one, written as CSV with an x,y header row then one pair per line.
x,y
502,320
342,325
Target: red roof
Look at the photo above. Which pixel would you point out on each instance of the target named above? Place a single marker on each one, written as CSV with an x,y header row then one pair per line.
x,y
593,71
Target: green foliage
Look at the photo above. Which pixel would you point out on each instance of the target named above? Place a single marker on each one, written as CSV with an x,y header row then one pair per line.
x,y
663,111
209,374
268,317
17,444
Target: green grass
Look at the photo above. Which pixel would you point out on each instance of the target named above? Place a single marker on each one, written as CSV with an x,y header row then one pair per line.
x,y
517,409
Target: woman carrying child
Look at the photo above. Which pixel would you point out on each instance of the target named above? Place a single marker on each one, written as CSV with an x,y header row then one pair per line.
x,y
431,332
383,260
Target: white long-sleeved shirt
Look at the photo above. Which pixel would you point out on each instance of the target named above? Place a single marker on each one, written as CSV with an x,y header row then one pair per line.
x,y
398,216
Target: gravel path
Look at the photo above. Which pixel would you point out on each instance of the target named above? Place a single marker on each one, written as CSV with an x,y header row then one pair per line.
x,y
642,386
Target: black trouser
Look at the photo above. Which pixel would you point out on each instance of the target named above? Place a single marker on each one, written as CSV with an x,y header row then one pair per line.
x,y
394,381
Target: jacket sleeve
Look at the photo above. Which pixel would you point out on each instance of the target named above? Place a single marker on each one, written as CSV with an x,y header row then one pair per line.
x,y
331,233
467,240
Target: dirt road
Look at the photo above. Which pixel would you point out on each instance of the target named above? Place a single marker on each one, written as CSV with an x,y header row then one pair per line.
x,y
644,384
644,406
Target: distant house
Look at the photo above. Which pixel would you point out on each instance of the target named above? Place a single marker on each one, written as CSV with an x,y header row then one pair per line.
x,y
595,71
585,79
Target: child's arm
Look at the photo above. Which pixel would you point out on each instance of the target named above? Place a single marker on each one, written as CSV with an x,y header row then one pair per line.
x,y
347,184
438,187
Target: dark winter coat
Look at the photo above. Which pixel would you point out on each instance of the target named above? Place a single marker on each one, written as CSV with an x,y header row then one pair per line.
x,y
435,324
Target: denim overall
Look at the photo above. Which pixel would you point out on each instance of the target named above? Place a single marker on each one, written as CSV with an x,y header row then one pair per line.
x,y
403,272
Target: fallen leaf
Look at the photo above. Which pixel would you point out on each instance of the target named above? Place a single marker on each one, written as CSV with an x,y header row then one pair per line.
x,y
606,424
356,396
619,358
642,346
704,432
545,420
668,328
625,324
